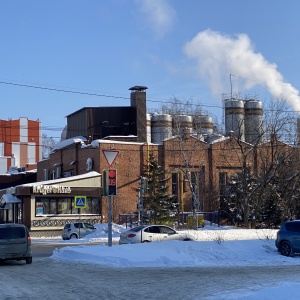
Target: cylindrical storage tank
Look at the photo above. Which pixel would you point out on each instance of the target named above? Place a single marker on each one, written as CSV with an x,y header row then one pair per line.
x,y
181,122
235,117
148,127
253,121
298,131
203,124
161,128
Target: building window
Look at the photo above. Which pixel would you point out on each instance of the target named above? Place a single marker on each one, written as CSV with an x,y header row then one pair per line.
x,y
65,206
58,172
174,183
67,173
46,174
222,183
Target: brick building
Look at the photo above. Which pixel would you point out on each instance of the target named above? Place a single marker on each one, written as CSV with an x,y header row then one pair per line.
x,y
76,166
20,144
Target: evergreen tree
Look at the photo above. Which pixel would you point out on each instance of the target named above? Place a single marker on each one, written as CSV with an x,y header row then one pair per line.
x,y
161,206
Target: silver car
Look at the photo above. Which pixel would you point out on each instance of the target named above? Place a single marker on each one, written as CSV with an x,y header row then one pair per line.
x,y
15,243
77,230
151,233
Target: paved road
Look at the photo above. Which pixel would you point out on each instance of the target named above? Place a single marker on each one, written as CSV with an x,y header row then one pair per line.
x,y
47,279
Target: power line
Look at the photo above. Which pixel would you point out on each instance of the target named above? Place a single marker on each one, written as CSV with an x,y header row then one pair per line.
x,y
122,97
61,90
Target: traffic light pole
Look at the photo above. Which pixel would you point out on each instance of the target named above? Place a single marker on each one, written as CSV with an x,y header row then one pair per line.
x,y
110,156
109,226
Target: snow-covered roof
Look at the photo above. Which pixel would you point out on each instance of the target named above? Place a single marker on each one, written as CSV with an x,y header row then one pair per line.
x,y
95,143
68,142
66,179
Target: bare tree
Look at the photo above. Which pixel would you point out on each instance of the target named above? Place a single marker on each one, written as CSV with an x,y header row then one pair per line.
x,y
187,144
48,144
263,174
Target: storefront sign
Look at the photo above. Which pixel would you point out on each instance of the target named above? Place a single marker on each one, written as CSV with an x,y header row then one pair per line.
x,y
51,189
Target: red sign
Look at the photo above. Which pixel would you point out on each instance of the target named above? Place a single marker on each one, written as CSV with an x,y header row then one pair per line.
x,y
112,178
112,182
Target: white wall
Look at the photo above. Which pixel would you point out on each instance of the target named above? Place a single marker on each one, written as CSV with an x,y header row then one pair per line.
x,y
23,130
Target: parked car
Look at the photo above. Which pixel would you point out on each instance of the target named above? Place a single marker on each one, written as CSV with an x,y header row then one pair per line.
x,y
151,233
288,238
77,230
15,243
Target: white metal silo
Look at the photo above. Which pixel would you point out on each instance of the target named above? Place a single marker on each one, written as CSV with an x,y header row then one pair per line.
x,y
181,122
148,127
161,128
253,121
235,117
203,124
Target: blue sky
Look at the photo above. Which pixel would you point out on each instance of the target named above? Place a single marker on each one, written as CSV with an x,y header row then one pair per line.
x,y
182,49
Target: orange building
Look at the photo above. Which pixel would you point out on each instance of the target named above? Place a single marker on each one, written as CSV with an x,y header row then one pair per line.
x,y
20,144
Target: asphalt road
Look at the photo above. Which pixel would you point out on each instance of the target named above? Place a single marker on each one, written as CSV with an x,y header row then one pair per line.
x,y
47,279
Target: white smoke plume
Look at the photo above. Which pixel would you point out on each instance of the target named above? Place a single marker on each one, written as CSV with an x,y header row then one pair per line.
x,y
219,55
158,15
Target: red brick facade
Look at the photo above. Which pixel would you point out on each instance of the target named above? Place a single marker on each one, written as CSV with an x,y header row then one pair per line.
x,y
212,162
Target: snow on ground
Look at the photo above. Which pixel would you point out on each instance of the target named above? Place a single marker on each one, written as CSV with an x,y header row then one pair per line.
x,y
212,246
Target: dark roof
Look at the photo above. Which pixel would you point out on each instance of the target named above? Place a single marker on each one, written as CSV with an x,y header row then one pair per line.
x,y
138,88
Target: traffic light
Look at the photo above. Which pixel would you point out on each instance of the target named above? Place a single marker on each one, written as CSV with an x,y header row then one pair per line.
x,y
110,182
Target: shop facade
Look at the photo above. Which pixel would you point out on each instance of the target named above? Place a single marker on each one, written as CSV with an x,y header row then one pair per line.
x,y
45,207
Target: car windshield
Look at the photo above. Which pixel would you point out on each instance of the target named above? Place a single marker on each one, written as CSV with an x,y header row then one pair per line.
x,y
136,229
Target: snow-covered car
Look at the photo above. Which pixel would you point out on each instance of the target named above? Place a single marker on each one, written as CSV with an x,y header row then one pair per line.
x,y
77,230
151,233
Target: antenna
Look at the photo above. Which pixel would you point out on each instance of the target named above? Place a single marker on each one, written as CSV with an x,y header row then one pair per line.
x,y
230,85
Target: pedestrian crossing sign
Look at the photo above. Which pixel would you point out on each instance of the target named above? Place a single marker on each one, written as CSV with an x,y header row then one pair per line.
x,y
80,202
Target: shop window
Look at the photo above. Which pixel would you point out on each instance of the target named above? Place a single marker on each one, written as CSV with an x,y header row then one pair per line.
x,y
53,207
65,206
92,206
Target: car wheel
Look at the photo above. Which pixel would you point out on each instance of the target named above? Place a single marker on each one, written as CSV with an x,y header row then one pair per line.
x,y
145,241
286,249
73,236
28,260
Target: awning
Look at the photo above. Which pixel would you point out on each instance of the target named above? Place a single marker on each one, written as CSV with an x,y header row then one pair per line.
x,y
8,198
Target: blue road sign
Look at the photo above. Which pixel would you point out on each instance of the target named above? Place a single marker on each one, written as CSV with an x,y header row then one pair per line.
x,y
80,202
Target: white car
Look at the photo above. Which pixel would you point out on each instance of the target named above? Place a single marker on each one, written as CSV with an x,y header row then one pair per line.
x,y
151,233
77,230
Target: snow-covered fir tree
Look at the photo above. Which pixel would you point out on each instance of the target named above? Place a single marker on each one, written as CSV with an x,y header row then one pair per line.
x,y
161,207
